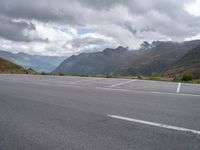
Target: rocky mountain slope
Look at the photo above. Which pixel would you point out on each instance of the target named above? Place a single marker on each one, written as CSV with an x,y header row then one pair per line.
x,y
190,62
151,58
93,63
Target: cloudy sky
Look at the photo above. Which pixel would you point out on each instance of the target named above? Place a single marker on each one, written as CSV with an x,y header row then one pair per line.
x,y
66,27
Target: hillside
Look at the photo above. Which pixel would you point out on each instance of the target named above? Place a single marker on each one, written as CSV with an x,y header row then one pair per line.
x,y
190,62
155,59
93,63
38,63
149,59
9,67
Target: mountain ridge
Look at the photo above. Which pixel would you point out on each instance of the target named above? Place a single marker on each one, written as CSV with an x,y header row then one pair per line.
x,y
149,59
98,62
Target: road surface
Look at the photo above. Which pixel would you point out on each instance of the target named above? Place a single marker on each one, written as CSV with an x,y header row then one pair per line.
x,y
78,113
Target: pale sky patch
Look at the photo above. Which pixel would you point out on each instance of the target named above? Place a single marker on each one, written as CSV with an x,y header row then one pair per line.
x,y
193,7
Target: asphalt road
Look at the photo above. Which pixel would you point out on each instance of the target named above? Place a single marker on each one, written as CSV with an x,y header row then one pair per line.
x,y
75,113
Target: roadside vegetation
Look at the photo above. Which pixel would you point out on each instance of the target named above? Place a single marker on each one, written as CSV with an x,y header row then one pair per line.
x,y
184,77
7,67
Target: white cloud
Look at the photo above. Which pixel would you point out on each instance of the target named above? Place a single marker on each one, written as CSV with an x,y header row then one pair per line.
x,y
60,41
193,7
68,27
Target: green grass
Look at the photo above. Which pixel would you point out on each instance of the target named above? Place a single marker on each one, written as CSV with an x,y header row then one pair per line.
x,y
197,81
154,78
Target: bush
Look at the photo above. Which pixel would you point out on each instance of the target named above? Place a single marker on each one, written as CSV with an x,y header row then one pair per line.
x,y
44,73
154,76
61,74
197,81
186,76
139,77
30,69
109,75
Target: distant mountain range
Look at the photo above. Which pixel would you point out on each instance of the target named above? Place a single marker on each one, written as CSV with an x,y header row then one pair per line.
x,y
151,58
36,62
9,67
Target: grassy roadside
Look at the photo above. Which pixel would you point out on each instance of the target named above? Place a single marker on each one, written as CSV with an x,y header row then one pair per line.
x,y
7,67
153,77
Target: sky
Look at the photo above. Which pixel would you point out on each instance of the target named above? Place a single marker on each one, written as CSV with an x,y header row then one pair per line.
x,y
68,27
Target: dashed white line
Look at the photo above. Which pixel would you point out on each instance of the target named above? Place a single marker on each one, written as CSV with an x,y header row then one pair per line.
x,y
178,88
155,124
114,85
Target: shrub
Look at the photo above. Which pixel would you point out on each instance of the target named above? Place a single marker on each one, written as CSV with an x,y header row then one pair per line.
x,y
154,76
44,73
109,75
186,76
197,81
61,74
30,69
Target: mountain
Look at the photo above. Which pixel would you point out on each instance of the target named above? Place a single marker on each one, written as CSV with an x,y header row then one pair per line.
x,y
150,58
190,62
155,59
9,67
93,63
38,63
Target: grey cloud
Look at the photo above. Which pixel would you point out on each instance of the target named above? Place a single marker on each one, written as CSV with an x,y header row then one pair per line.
x,y
16,30
168,18
27,9
101,4
129,27
63,11
85,41
136,31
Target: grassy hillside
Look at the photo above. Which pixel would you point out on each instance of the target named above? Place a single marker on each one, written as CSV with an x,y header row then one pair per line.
x,y
190,63
9,67
38,63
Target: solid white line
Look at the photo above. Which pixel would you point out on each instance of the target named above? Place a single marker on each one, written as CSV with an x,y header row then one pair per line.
x,y
177,94
155,124
114,85
152,92
178,88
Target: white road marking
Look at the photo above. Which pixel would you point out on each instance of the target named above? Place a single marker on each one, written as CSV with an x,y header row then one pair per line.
x,y
178,88
91,79
114,85
196,95
111,89
152,92
155,124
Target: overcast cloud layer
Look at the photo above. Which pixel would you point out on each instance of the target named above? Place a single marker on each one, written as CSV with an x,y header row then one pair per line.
x,y
66,27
